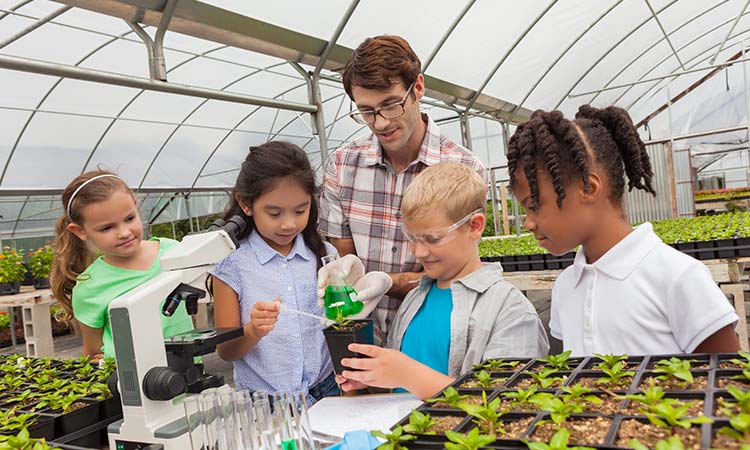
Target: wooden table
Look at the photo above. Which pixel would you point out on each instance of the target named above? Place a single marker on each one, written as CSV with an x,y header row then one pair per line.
x,y
37,327
727,273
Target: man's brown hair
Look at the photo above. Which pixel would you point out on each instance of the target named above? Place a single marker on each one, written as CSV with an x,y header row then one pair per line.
x,y
378,61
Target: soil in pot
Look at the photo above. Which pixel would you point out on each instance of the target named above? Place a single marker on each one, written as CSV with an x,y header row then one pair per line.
x,y
696,409
470,401
592,383
514,429
609,405
742,383
649,434
727,443
590,431
338,340
525,382
476,384
445,423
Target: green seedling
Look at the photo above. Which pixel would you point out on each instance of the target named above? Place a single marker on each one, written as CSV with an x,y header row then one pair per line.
x,y
651,396
744,363
487,415
559,410
58,401
558,442
450,397
394,440
496,365
484,380
666,415
12,421
559,362
609,360
469,441
22,441
341,321
579,394
419,423
739,428
616,375
25,397
525,398
85,372
545,379
742,400
674,368
743,377
673,443
107,367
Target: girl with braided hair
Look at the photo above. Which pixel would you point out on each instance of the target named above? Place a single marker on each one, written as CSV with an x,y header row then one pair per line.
x,y
627,292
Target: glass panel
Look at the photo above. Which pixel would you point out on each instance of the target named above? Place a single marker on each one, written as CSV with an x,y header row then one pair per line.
x,y
52,151
159,106
84,97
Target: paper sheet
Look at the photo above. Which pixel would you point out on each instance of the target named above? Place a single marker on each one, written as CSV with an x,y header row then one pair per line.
x,y
337,415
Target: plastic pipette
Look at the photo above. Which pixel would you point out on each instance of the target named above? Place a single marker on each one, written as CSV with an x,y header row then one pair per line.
x,y
322,319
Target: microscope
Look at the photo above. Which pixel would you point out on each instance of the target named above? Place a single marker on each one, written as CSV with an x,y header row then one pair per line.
x,y
154,373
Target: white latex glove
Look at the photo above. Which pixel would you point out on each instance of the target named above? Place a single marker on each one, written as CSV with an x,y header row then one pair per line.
x,y
349,265
371,287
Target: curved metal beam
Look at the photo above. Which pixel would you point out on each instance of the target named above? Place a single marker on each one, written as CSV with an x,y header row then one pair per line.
x,y
560,56
447,34
605,54
226,136
13,8
507,53
44,98
665,60
731,29
335,37
644,52
34,26
664,33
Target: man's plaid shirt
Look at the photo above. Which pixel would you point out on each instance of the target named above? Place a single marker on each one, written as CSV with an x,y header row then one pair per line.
x,y
361,200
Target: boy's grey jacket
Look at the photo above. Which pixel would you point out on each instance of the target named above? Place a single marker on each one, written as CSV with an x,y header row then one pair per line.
x,y
490,319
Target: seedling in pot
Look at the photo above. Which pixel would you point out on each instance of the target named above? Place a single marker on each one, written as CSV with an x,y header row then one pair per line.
x,y
674,368
743,363
483,380
741,401
450,398
23,441
739,428
394,440
559,410
420,423
558,442
25,398
579,395
469,441
559,362
10,420
59,402
487,415
651,396
616,376
673,443
610,360
666,415
526,399
545,378
496,365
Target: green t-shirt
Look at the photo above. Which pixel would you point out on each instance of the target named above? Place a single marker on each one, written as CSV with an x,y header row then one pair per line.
x,y
101,283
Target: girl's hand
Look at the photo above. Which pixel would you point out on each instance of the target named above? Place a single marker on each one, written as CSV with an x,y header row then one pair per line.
x,y
385,368
263,318
347,385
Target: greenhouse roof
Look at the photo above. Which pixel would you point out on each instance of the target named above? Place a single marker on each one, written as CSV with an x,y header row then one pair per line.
x,y
76,91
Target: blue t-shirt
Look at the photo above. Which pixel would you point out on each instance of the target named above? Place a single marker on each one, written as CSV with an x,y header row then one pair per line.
x,y
428,337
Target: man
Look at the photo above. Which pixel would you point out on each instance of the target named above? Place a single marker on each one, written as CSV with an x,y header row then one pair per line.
x,y
365,180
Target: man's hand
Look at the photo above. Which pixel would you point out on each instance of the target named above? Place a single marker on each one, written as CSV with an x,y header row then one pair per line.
x,y
263,318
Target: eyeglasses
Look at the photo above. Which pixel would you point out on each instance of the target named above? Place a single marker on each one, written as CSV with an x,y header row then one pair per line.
x,y
391,111
437,238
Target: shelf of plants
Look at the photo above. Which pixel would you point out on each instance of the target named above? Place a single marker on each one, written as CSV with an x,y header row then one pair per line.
x,y
704,237
601,402
55,399
716,195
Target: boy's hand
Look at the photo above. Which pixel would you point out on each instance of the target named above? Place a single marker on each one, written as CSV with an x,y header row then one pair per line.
x,y
347,385
385,368
263,318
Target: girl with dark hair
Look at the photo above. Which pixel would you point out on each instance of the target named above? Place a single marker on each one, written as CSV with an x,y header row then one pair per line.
x,y
277,261
627,292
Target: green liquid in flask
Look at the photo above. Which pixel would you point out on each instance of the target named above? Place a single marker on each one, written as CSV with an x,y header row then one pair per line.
x,y
341,298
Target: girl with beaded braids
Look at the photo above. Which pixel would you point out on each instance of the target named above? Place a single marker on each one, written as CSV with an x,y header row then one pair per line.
x,y
627,292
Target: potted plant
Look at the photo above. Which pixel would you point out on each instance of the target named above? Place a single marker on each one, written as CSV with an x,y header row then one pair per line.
x,y
12,271
344,332
40,263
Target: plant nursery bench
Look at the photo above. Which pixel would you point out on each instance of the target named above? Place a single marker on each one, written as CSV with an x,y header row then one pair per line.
x,y
37,328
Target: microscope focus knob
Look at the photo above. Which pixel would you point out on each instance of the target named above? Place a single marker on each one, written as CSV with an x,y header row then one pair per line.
x,y
163,383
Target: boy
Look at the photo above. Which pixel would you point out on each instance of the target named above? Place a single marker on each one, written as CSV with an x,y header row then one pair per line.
x,y
462,311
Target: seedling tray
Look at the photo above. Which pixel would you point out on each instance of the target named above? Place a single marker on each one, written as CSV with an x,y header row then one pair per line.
x,y
586,368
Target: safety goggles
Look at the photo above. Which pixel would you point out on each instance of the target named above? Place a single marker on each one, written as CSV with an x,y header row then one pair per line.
x,y
440,237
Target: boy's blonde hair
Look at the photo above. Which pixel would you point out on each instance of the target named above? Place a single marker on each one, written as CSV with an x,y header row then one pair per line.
x,y
450,187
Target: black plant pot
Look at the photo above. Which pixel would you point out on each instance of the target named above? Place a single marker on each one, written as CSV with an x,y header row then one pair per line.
x,y
523,263
10,288
338,342
28,278
567,259
725,248
743,246
41,283
705,250
75,420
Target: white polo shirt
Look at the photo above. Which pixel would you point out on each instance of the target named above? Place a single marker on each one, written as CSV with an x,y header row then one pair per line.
x,y
642,297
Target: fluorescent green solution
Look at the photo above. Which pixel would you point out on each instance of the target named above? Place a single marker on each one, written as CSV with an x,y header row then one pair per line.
x,y
343,299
